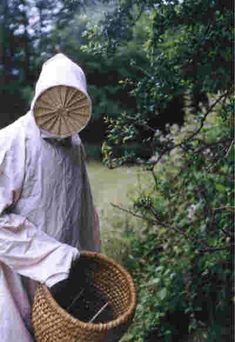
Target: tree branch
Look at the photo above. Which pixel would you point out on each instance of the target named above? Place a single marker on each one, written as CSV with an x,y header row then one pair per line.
x,y
226,207
128,211
215,249
229,149
158,221
193,134
176,229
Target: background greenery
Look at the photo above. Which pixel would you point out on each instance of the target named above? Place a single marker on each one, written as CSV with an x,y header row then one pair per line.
x,y
161,80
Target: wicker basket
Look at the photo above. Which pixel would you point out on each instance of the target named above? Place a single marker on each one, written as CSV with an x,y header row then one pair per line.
x,y
54,324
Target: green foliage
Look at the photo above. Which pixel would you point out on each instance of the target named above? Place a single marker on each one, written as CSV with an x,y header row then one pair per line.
x,y
181,259
183,263
188,47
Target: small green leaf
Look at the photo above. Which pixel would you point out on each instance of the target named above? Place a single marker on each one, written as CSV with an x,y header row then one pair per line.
x,y
220,187
162,293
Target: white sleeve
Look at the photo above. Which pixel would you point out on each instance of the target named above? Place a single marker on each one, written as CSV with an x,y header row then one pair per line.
x,y
23,247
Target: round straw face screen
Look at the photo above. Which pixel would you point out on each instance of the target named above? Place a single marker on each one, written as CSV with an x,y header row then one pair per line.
x,y
62,110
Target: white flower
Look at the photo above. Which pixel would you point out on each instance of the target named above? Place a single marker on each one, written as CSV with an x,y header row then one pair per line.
x,y
192,210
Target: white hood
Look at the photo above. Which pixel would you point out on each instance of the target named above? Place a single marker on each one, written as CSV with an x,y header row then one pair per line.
x,y
59,70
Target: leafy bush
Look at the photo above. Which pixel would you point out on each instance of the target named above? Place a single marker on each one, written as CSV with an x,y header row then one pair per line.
x,y
182,259
182,264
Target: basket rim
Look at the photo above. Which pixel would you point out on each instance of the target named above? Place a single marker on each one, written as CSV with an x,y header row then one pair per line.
x,y
98,326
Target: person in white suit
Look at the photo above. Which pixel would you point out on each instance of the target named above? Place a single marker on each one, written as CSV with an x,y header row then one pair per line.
x,y
47,215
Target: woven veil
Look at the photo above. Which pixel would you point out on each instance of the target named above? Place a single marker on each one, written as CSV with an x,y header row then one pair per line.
x,y
62,110
61,105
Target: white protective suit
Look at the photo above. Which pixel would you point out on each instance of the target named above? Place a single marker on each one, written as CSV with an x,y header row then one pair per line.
x,y
46,210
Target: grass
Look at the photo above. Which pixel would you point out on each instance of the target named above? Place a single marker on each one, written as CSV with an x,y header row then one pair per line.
x,y
116,186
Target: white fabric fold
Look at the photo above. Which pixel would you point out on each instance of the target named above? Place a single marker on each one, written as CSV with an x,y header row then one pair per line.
x,y
31,252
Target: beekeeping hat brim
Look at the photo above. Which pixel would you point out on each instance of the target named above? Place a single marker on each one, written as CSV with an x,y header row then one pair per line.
x,y
61,105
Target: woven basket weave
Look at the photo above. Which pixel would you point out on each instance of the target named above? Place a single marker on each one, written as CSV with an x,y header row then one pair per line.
x,y
52,323
62,110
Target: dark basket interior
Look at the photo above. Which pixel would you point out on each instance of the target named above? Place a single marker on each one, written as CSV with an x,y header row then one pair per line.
x,y
98,284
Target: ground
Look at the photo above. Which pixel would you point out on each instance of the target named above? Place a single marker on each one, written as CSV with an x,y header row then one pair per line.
x,y
116,186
